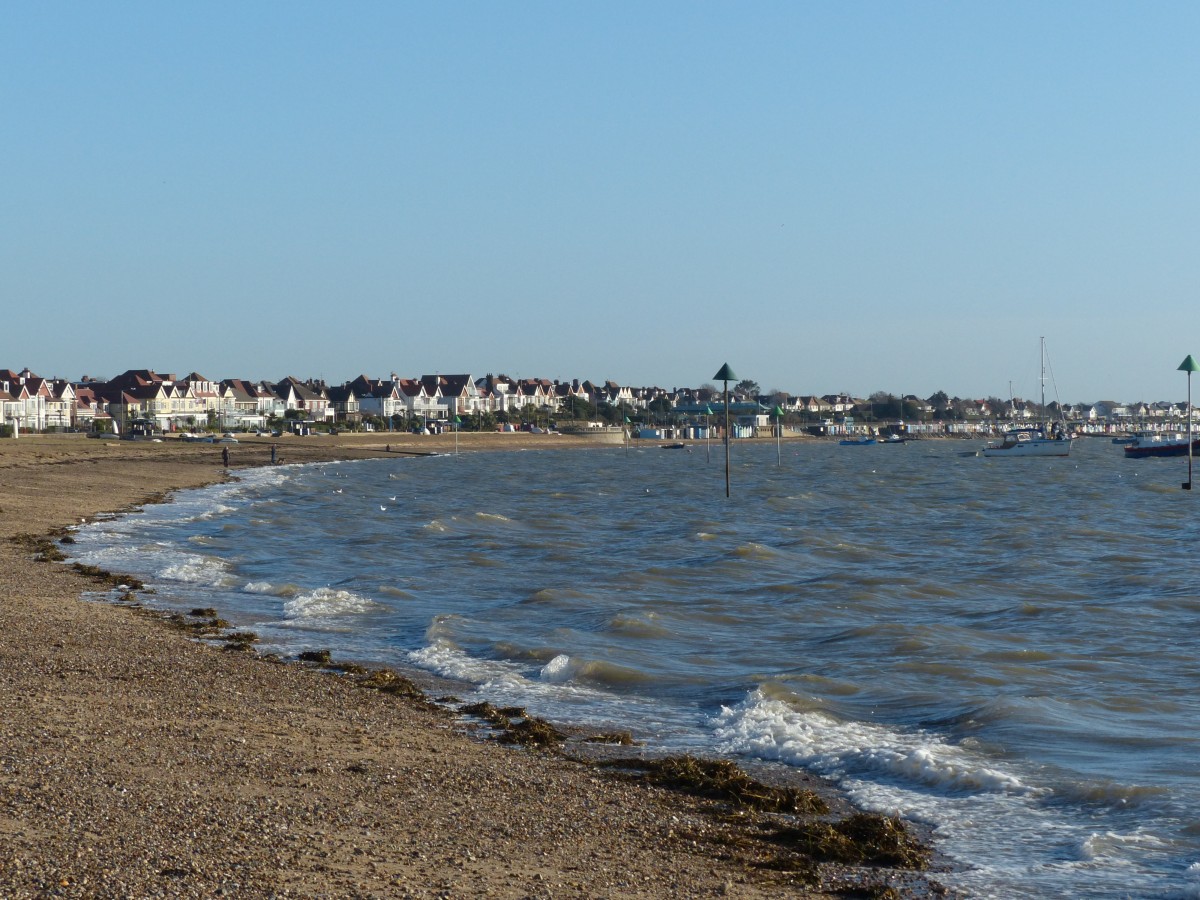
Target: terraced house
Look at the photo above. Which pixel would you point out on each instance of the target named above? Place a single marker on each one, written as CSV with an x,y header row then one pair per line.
x,y
154,403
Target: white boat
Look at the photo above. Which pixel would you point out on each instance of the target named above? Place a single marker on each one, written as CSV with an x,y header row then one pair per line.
x,y
1034,440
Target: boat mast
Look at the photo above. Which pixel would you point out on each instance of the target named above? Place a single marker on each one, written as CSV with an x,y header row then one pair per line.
x,y
1043,379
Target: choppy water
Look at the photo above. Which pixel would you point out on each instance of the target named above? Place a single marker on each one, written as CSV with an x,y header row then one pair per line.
x,y
1006,649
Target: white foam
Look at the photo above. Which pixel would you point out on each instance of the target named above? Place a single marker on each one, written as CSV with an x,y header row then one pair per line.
x,y
152,560
213,511
1190,890
324,603
195,569
267,587
444,658
558,669
505,679
493,517
980,810
508,683
188,505
771,729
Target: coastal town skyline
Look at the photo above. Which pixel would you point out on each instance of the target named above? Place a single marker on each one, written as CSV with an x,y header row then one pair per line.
x,y
168,401
828,198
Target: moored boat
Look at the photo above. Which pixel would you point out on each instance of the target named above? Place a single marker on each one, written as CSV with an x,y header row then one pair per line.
x,y
1149,444
1032,441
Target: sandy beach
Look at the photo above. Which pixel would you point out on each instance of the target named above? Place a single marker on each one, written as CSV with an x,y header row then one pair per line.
x,y
136,761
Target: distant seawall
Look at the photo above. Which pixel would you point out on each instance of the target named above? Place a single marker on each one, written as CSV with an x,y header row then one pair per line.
x,y
607,435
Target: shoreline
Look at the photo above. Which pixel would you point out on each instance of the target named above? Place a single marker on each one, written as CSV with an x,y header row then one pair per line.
x,y
135,760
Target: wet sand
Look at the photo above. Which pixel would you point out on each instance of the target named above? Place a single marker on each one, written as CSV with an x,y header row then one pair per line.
x,y
136,761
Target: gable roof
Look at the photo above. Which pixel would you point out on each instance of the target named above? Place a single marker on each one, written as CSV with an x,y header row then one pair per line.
x,y
299,389
448,385
372,387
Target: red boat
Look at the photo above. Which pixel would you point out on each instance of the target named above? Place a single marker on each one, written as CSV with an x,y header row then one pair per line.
x,y
1160,445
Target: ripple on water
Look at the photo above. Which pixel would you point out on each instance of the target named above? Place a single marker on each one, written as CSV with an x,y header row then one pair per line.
x,y
640,626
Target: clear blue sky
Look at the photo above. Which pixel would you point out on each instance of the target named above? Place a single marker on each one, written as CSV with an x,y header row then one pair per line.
x,y
828,196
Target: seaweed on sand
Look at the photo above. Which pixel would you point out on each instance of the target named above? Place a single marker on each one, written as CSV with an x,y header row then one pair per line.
x,y
240,640
532,731
196,626
788,831
860,839
44,549
42,546
384,680
485,711
516,725
112,579
388,682
720,779
623,738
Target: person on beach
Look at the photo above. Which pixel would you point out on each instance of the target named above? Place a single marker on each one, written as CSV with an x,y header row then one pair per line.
x,y
274,447
225,457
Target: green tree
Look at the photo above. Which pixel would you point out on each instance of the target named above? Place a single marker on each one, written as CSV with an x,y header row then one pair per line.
x,y
748,387
660,406
1001,409
480,421
609,413
578,408
886,406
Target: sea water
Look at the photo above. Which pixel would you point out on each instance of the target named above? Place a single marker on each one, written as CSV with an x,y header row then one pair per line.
x,y
1003,649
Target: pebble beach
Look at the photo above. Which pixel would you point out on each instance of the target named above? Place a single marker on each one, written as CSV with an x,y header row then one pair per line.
x,y
137,761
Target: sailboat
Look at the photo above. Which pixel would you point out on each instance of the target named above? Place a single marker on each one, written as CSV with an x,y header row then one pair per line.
x,y
1033,440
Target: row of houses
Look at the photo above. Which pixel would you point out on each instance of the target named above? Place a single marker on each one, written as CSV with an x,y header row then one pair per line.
x,y
143,397
167,403
170,403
